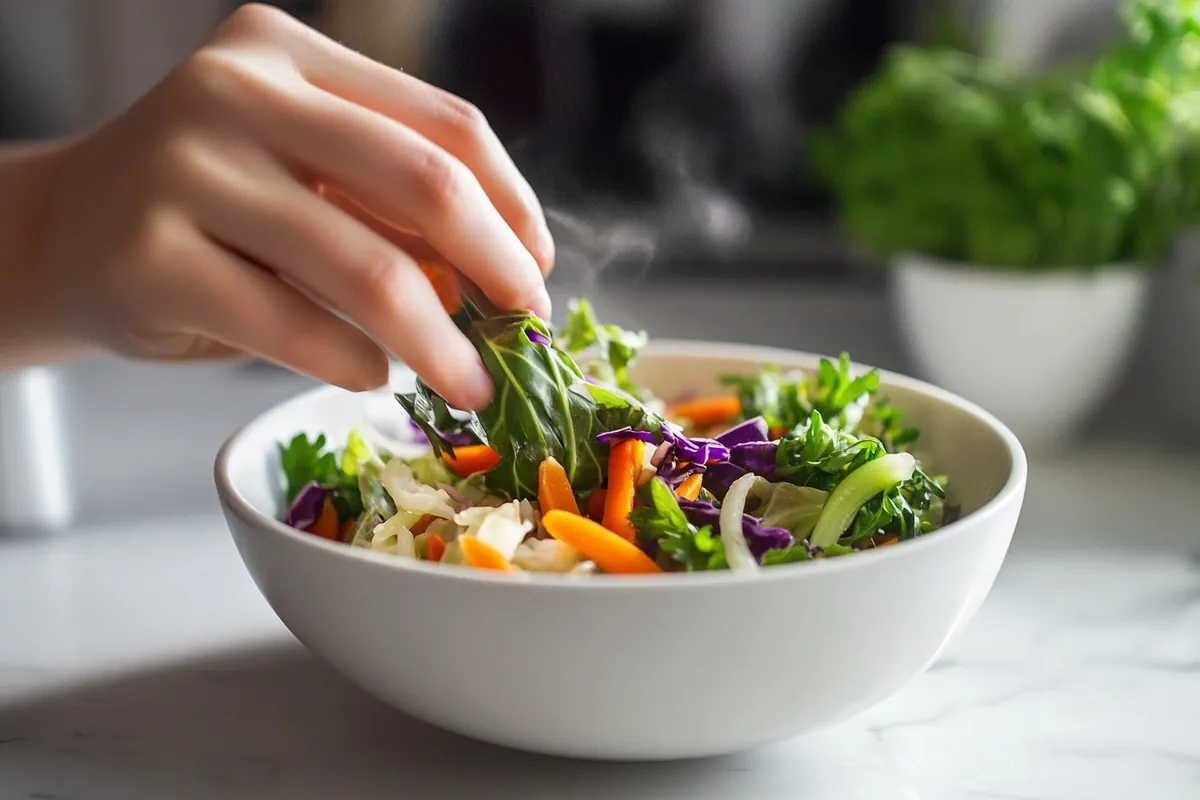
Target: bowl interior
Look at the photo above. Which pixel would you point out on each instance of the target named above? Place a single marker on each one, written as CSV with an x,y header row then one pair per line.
x,y
957,439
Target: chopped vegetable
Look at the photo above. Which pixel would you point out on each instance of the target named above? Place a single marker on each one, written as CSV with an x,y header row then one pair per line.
x,y
707,411
326,526
690,488
809,466
466,461
859,486
624,469
737,550
611,552
481,555
554,488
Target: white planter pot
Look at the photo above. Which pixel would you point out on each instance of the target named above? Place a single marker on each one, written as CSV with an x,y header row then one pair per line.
x,y
1039,350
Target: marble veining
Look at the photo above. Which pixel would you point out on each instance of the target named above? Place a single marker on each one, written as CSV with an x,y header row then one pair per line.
x,y
138,661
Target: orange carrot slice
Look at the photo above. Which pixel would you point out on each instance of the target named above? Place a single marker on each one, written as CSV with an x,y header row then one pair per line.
x,y
690,488
482,555
327,526
888,541
707,411
554,488
624,467
437,547
445,283
595,504
610,551
471,459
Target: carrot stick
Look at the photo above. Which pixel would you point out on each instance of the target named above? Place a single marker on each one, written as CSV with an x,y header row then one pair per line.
x,y
471,459
624,467
437,547
595,504
420,525
554,488
609,550
482,555
707,411
327,526
445,283
690,488
888,541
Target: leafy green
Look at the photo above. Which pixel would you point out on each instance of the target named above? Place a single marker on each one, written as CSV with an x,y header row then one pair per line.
x,y
661,520
822,457
304,462
794,508
433,416
619,347
787,402
542,407
953,156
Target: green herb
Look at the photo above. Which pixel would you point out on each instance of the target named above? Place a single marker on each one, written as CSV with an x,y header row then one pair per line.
x,y
952,156
542,407
306,462
787,401
619,347
661,520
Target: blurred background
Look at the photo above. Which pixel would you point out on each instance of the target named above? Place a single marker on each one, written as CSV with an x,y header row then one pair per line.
x,y
676,146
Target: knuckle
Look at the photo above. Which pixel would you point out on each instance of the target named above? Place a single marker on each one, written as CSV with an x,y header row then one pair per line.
x,y
464,119
222,80
376,279
440,180
256,19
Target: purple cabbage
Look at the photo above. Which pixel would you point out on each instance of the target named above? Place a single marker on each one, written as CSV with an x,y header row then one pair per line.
x,y
752,430
307,506
621,434
759,537
756,457
537,337
719,477
699,451
455,438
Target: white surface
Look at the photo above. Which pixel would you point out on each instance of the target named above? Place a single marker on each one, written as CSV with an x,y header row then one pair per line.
x,y
139,662
544,663
1041,351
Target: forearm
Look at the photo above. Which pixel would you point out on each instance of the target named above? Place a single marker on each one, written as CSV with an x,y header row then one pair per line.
x,y
34,328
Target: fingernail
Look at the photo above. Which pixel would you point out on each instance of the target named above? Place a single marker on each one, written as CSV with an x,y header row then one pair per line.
x,y
541,304
544,249
477,388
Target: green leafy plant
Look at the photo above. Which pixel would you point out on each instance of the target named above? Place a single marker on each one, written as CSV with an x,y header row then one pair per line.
x,y
953,156
542,406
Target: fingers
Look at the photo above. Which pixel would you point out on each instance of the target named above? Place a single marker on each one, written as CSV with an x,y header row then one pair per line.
x,y
406,180
452,123
227,299
334,257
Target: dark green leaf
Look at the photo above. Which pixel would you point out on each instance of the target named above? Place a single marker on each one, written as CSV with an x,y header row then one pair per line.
x,y
661,520
542,407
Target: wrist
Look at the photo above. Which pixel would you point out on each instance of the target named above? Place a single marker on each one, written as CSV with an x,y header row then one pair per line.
x,y
35,325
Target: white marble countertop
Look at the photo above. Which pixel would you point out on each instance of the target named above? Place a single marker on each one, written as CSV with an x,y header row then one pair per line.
x,y
139,661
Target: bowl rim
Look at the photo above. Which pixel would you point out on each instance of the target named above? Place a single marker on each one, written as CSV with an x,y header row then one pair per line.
x,y
1012,491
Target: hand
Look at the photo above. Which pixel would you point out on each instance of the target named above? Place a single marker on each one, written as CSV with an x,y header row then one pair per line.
x,y
277,184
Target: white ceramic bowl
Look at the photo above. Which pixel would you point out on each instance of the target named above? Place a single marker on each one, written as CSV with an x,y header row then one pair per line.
x,y
1039,350
638,668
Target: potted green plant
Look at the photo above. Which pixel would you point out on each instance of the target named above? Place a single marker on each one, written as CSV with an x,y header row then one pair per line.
x,y
1022,214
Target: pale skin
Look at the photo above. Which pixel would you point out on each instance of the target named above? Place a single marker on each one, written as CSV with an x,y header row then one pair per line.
x,y
274,185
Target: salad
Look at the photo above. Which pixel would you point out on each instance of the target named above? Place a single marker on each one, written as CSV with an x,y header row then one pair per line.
x,y
575,469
